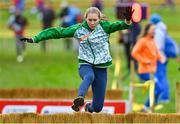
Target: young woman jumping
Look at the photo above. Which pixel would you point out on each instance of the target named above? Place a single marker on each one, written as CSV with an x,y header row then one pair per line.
x,y
94,54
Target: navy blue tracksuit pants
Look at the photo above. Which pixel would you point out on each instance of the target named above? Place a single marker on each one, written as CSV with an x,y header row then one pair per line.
x,y
97,78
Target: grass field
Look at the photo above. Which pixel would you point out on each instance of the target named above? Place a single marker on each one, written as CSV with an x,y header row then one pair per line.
x,y
59,68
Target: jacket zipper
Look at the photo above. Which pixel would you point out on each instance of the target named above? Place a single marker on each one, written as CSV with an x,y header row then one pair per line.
x,y
91,49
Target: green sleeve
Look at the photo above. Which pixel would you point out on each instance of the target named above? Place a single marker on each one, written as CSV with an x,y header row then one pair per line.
x,y
110,27
55,33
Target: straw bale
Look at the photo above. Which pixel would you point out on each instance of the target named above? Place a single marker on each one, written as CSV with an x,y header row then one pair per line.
x,y
52,93
84,117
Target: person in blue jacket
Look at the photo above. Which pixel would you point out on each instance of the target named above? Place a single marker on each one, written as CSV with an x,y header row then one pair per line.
x,y
161,74
69,16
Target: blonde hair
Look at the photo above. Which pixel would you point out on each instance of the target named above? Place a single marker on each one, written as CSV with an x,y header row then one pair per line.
x,y
95,10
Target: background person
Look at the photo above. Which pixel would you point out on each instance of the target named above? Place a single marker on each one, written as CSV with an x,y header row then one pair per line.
x,y
39,5
94,55
147,54
48,17
17,23
161,73
70,15
168,3
128,38
19,5
98,4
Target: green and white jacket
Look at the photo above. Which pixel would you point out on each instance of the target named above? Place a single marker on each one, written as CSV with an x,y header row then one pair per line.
x,y
94,44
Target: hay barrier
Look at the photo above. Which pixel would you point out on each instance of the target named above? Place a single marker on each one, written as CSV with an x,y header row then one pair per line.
x,y
51,93
84,117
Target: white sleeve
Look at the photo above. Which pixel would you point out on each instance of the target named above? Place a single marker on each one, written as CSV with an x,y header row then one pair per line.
x,y
160,38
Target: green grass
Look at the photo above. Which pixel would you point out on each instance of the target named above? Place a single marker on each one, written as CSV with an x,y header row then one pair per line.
x,y
52,69
59,68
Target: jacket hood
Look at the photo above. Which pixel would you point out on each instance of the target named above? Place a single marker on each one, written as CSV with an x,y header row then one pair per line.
x,y
155,18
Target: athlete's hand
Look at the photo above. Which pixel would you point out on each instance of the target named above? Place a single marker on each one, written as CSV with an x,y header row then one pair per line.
x,y
128,13
29,40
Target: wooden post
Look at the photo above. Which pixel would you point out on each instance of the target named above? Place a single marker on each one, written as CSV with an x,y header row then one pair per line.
x,y
178,97
151,93
116,82
132,82
116,74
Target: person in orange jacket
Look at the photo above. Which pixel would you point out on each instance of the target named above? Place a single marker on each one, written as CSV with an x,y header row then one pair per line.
x,y
147,54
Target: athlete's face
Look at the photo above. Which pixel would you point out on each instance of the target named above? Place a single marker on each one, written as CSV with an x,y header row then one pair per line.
x,y
92,20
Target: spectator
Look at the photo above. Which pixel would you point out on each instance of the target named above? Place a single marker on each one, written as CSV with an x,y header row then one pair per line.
x,y
19,5
167,3
147,54
94,55
70,15
39,5
98,4
161,73
48,17
17,22
129,38
38,8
